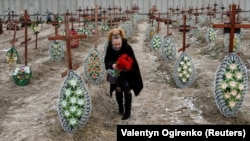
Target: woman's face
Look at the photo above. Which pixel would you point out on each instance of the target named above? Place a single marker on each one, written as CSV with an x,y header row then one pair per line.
x,y
117,44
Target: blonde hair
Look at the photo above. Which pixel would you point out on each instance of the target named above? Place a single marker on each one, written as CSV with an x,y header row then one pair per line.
x,y
115,31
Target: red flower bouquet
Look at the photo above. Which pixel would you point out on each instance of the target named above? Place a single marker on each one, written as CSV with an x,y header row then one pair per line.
x,y
124,62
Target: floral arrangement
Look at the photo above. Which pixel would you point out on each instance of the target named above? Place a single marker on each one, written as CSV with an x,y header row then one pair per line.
x,y
105,27
84,31
94,69
168,49
36,28
124,63
203,19
156,42
135,18
236,43
196,32
210,35
12,56
22,75
59,20
231,85
91,26
184,71
127,27
56,50
74,103
150,31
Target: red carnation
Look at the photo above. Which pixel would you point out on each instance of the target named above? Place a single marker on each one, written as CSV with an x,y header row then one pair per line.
x,y
124,62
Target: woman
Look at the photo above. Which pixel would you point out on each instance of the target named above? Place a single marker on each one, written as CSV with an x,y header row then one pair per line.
x,y
127,80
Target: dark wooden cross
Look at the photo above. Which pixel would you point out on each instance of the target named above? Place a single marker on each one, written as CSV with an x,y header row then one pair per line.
x,y
196,14
202,9
222,12
127,12
104,13
55,22
168,22
190,11
79,15
110,17
25,21
96,25
232,26
211,14
214,9
13,41
177,11
67,37
184,28
72,20
37,22
85,15
158,22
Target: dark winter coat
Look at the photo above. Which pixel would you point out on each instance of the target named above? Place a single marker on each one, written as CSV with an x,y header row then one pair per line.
x,y
134,76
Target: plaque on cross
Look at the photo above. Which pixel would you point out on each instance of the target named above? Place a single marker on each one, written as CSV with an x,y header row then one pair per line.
x,y
232,26
67,38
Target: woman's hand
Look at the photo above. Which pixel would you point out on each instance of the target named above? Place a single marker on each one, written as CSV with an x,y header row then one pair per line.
x,y
114,66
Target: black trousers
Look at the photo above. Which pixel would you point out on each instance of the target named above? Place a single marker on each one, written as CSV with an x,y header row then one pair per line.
x,y
123,92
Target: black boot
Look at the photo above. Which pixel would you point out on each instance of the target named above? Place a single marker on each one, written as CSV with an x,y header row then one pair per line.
x,y
119,99
128,101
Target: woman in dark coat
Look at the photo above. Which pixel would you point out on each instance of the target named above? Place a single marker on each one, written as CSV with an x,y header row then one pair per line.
x,y
127,80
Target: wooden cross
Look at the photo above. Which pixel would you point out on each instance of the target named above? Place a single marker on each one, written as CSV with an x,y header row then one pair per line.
x,y
196,14
232,26
67,37
79,13
190,11
202,9
55,23
25,21
37,22
14,36
184,28
211,14
72,20
177,11
104,13
127,13
85,15
214,9
222,13
96,25
48,17
166,21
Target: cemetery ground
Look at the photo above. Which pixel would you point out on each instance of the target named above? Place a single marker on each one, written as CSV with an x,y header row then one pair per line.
x,y
29,113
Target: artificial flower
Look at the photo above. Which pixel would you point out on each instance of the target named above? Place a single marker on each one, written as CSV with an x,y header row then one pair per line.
x,y
22,75
124,62
184,69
